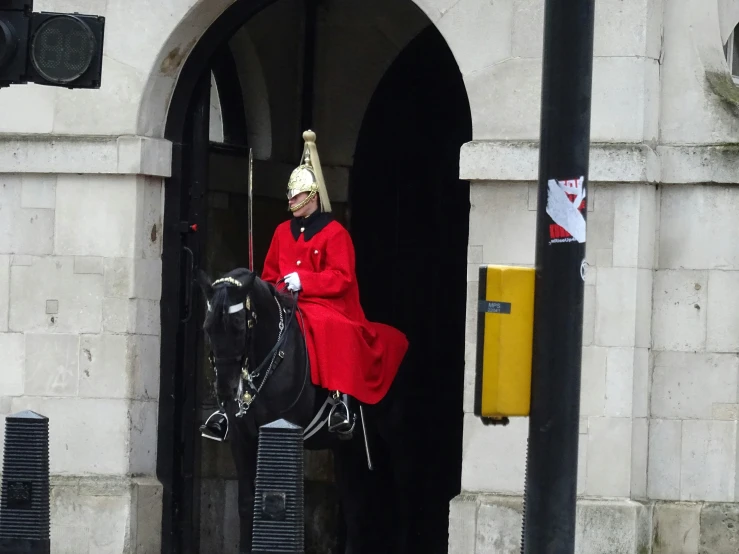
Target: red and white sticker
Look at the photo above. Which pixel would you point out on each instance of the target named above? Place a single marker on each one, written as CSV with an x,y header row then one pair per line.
x,y
566,205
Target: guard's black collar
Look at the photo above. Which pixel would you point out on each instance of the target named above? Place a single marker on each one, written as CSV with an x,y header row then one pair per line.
x,y
310,225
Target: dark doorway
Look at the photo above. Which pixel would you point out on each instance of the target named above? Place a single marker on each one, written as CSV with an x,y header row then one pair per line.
x,y
409,219
409,222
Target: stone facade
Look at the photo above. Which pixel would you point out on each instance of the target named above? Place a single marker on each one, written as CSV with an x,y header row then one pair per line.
x,y
81,207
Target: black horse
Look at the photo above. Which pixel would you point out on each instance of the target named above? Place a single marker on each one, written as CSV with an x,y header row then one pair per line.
x,y
262,370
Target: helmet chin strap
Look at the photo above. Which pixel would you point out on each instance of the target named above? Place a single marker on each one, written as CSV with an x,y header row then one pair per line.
x,y
305,202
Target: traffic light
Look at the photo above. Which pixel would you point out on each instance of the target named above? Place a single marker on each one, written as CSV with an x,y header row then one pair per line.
x,y
52,49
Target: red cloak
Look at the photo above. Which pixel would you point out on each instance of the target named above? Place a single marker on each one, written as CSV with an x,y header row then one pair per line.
x,y
347,352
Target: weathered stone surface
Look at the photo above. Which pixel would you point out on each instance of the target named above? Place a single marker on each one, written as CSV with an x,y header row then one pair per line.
x,y
4,291
708,464
680,303
609,457
719,526
676,528
663,473
499,526
12,346
52,364
722,319
611,527
103,369
87,436
462,524
53,278
685,385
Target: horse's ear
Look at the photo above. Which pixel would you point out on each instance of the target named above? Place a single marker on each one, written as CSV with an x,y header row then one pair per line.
x,y
250,280
205,284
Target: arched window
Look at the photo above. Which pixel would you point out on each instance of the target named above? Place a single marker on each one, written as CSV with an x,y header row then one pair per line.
x,y
731,51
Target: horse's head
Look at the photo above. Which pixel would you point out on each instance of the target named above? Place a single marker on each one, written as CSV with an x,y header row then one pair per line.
x,y
228,318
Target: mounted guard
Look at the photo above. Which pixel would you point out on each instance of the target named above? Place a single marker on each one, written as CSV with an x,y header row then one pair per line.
x,y
350,356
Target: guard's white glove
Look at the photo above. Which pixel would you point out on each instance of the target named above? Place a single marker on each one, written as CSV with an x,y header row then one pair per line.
x,y
292,281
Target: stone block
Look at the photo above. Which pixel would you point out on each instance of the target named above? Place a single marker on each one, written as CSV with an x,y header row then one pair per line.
x,y
609,457
38,191
664,468
648,225
462,524
87,436
644,287
616,307
639,457
613,527
53,278
619,382
513,242
625,90
494,457
112,109
96,215
626,229
149,236
133,278
708,460
23,230
148,505
499,526
676,528
104,371
685,385
143,438
593,381
88,265
695,221
642,382
52,364
12,345
582,461
144,366
679,306
588,315
625,28
27,109
479,33
722,319
121,315
719,529
91,515
505,100
725,412
4,291
528,29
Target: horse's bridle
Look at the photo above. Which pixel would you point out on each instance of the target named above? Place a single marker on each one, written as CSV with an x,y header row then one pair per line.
x,y
248,390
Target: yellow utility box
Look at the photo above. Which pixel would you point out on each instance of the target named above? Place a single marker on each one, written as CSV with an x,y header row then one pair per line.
x,y
505,332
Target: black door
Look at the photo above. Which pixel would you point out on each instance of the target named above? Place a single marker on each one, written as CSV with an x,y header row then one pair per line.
x,y
409,222
185,224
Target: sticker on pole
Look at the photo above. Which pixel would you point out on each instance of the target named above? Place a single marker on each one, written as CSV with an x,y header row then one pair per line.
x,y
566,206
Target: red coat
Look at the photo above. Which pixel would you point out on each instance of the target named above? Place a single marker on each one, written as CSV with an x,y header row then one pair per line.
x,y
347,352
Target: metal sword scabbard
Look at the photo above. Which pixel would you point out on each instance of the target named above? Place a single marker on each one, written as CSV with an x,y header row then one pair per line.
x,y
251,211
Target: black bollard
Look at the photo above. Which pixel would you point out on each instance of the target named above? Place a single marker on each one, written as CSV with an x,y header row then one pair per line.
x,y
24,508
278,494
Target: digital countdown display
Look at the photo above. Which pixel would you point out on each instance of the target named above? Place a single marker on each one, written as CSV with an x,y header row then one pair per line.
x,y
63,49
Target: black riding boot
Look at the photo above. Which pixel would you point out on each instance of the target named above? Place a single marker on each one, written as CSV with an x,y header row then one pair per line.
x,y
215,427
341,419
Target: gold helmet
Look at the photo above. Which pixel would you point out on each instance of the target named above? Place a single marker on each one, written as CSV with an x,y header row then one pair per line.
x,y
308,177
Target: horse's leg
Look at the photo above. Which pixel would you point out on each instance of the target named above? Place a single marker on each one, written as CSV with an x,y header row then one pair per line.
x,y
401,494
244,451
357,488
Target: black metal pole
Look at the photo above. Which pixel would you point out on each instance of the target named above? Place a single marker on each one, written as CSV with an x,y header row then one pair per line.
x,y
551,475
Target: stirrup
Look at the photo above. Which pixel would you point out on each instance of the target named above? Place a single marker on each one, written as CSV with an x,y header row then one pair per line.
x,y
348,421
215,431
